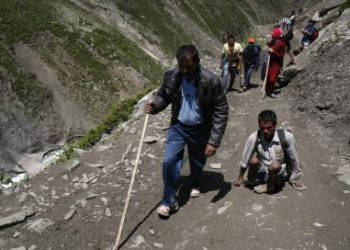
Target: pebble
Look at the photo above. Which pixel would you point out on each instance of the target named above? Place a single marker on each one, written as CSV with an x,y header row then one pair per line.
x,y
70,214
158,245
257,207
138,241
108,212
19,248
75,179
151,139
104,200
151,231
72,165
97,165
22,197
317,224
16,234
91,196
215,165
224,208
152,156
40,225
94,180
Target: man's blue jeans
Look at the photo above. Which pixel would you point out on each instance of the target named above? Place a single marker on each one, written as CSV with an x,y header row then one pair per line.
x,y
248,71
226,70
179,135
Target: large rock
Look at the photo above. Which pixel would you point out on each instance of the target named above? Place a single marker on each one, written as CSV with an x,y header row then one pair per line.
x,y
288,74
15,218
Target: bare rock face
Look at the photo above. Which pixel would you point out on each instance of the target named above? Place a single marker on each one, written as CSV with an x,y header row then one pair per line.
x,y
321,88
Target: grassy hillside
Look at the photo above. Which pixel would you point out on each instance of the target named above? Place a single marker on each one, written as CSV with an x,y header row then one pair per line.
x,y
92,48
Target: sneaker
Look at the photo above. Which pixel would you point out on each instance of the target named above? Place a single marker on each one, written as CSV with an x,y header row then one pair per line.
x,y
195,193
272,95
165,211
244,89
259,189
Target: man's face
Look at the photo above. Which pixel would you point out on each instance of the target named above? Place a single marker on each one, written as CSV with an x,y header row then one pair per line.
x,y
267,129
231,42
188,68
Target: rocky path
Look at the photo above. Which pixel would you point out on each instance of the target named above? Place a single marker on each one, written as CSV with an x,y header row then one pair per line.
x,y
78,204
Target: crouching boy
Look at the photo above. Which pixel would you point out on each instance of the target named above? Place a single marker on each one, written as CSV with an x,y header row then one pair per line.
x,y
271,158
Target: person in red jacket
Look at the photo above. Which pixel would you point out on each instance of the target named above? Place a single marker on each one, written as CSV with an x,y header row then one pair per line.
x,y
276,51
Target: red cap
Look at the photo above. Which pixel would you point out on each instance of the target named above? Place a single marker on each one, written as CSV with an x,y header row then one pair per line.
x,y
276,33
251,40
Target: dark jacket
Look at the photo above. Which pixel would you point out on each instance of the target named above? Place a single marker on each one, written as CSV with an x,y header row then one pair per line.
x,y
211,99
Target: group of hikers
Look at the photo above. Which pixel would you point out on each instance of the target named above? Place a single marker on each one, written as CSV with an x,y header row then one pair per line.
x,y
235,58
199,116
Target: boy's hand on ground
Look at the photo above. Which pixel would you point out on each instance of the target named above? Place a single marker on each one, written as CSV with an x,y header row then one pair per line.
x,y
239,182
209,150
298,185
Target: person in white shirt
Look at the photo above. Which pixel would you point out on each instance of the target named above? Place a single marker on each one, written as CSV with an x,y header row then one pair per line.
x,y
231,62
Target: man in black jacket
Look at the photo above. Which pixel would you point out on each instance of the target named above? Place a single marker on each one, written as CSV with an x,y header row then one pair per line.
x,y
199,118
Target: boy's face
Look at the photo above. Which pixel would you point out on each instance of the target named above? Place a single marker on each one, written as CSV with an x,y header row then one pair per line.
x,y
267,129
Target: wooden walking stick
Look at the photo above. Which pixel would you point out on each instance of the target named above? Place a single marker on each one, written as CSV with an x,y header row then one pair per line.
x,y
116,245
263,91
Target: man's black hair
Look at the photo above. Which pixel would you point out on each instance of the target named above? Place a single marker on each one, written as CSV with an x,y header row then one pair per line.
x,y
187,50
230,36
267,116
311,21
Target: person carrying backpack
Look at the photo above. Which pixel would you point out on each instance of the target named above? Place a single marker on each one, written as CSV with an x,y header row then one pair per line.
x,y
292,18
287,38
271,158
251,59
310,34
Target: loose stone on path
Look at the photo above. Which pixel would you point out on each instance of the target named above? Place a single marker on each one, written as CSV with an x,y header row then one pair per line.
x,y
70,214
215,165
151,139
15,218
224,208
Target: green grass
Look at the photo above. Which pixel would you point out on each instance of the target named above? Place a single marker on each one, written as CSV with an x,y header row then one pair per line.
x,y
25,21
220,17
114,46
20,19
119,113
157,22
30,92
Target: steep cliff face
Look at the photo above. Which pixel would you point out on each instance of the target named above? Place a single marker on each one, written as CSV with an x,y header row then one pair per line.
x,y
64,64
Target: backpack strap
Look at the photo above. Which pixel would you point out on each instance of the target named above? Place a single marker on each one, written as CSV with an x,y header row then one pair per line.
x,y
258,135
282,137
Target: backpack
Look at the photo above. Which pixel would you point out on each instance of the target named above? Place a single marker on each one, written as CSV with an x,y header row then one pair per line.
x,y
288,36
314,35
250,54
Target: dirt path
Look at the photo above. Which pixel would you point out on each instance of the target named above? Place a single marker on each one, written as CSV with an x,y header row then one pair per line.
x,y
224,218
